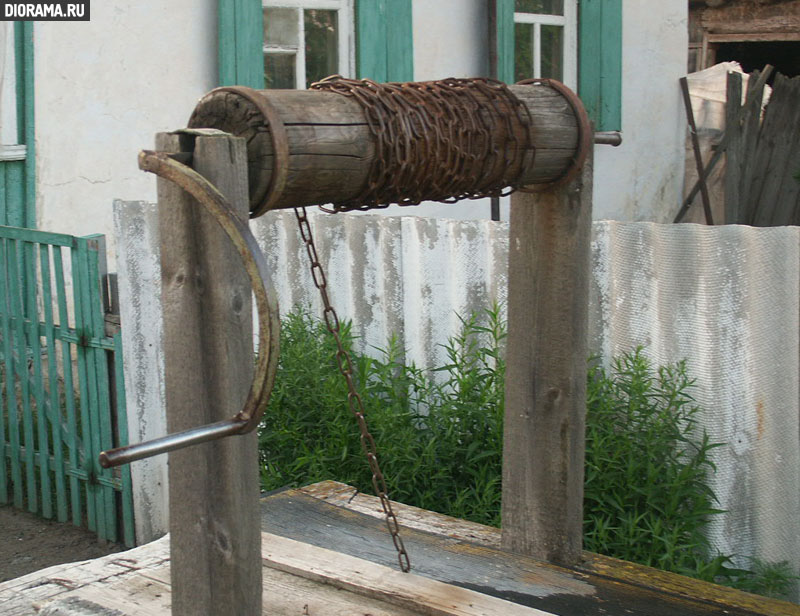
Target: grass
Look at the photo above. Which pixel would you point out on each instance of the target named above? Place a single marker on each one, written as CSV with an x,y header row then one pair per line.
x,y
647,497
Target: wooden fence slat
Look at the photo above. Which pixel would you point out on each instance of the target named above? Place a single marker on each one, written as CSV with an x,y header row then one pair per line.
x,y
95,255
734,153
93,445
53,403
749,128
11,369
79,283
69,388
35,347
8,399
3,200
778,135
20,340
788,187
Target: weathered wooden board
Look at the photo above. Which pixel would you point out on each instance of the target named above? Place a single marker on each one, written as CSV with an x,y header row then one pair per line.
x,y
342,495
421,594
763,159
747,19
119,583
298,579
544,435
465,554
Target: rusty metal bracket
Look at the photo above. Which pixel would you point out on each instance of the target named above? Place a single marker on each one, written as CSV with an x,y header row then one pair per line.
x,y
163,165
585,134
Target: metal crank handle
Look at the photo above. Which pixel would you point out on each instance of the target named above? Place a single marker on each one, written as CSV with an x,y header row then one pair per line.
x,y
163,165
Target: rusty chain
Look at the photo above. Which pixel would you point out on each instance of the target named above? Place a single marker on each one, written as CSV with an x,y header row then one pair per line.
x,y
438,140
354,401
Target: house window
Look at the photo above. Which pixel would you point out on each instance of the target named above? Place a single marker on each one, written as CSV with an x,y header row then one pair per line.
x,y
545,35
10,148
306,40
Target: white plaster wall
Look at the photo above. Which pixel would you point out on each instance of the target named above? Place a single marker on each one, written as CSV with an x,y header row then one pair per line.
x,y
450,39
642,180
103,89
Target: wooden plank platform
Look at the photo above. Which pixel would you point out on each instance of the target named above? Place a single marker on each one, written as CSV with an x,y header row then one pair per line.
x,y
465,554
326,552
298,579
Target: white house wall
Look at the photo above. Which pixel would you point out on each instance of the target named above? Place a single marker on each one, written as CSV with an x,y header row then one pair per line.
x,y
103,88
642,180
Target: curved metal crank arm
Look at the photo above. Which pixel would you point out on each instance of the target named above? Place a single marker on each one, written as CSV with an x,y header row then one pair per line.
x,y
161,164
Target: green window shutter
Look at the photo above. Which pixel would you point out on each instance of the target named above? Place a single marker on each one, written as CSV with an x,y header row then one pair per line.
x,y
505,40
241,43
600,61
18,177
384,35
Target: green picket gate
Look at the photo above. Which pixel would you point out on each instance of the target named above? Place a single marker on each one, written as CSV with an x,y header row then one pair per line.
x,y
61,386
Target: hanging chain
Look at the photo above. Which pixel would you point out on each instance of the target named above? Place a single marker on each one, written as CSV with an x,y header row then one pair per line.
x,y
354,402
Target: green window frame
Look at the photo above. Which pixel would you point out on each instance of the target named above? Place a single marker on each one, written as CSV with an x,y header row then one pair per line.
x,y
17,168
600,61
599,57
383,30
384,40
241,41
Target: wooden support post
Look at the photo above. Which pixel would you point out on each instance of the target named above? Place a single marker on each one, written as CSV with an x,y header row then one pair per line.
x,y
543,453
208,357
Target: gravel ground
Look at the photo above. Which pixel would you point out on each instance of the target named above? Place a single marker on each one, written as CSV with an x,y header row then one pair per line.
x,y
29,543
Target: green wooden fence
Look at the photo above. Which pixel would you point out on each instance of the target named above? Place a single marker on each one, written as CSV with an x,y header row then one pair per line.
x,y
61,386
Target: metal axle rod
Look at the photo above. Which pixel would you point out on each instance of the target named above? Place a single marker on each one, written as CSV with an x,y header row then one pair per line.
x,y
171,442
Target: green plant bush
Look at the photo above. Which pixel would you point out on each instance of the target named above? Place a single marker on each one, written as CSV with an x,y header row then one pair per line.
x,y
646,496
647,499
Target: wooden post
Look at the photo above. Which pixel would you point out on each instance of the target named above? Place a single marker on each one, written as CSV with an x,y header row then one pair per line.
x,y
543,453
208,356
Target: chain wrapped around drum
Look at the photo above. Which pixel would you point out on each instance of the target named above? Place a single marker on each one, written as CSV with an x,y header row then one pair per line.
x,y
361,145
437,140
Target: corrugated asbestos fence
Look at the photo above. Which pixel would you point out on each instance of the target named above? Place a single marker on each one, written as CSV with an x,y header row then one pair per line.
x,y
60,386
726,299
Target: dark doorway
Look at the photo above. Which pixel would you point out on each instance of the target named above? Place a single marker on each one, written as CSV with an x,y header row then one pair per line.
x,y
783,55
